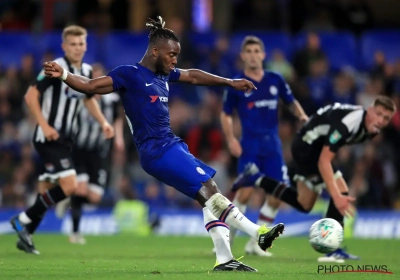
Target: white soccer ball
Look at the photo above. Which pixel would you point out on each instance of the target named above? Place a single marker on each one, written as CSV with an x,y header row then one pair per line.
x,y
326,235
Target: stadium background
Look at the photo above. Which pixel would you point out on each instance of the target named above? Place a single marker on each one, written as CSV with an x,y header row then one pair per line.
x,y
344,51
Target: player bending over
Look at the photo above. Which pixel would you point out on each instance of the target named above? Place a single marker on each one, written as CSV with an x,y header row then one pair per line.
x,y
143,88
260,143
313,150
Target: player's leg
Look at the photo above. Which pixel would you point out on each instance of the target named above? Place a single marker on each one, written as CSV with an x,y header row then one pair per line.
x,y
243,195
31,228
59,168
76,204
43,186
309,184
274,167
178,168
340,254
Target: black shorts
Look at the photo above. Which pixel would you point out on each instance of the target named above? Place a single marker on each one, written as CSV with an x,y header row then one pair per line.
x,y
305,158
91,168
56,161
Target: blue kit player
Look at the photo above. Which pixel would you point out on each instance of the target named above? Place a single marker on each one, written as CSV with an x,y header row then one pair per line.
x,y
260,142
143,88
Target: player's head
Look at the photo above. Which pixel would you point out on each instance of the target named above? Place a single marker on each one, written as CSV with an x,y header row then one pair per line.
x,y
379,114
74,43
252,53
164,46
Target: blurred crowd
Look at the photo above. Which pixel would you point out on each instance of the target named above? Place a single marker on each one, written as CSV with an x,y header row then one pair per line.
x,y
370,169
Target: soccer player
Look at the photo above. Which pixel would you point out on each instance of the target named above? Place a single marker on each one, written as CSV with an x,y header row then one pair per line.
x,y
143,88
314,148
260,143
55,106
91,155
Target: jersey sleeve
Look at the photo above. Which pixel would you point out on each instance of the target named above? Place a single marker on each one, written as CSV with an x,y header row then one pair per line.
x,y
174,75
118,77
230,101
336,137
42,82
285,92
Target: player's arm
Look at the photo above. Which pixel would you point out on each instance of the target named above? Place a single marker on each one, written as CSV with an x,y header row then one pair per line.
x,y
32,101
296,109
101,85
202,78
326,170
285,93
94,109
334,140
230,103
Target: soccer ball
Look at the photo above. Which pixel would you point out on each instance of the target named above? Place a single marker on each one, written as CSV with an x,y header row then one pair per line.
x,y
326,235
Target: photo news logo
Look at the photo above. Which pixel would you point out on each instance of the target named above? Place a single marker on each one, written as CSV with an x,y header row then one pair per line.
x,y
348,268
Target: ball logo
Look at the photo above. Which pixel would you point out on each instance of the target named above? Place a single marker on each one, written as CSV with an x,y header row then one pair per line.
x,y
201,171
326,229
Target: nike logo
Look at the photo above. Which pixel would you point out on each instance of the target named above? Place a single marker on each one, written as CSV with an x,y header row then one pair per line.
x,y
148,84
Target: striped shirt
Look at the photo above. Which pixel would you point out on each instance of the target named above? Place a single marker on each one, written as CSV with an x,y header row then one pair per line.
x,y
59,103
90,135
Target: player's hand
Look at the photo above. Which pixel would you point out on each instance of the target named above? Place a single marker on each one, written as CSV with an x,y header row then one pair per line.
x,y
52,69
303,118
243,85
108,130
50,133
344,206
234,147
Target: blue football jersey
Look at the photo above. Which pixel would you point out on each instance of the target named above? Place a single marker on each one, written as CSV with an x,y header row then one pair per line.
x,y
144,96
258,112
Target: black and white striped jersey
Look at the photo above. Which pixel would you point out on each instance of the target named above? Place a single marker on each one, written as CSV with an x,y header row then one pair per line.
x,y
60,104
90,135
335,125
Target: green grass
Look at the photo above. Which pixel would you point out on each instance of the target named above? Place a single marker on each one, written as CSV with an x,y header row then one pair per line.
x,y
126,257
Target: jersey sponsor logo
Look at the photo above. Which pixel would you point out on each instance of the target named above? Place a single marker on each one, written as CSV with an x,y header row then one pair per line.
x,y
335,137
271,104
201,171
155,97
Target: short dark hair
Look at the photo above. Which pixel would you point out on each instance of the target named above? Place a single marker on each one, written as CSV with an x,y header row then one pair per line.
x,y
158,32
252,40
386,102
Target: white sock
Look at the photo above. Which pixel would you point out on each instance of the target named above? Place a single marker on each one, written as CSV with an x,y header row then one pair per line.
x,y
222,208
24,218
242,208
219,233
267,215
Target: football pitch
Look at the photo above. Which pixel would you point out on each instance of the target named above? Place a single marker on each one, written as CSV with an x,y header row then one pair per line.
x,y
155,257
